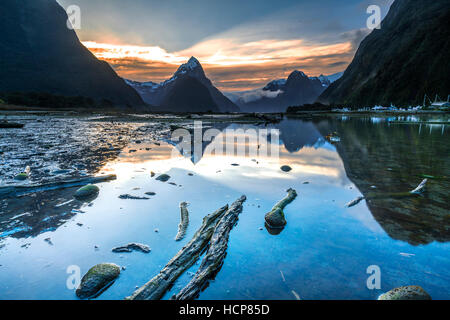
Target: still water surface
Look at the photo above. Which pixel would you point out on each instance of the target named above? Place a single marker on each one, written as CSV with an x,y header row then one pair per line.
x,y
322,253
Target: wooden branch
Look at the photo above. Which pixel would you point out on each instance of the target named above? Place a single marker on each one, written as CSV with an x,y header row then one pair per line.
x,y
275,218
213,260
183,260
378,195
182,227
14,191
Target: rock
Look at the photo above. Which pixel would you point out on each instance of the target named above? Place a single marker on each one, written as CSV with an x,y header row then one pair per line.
x,y
235,164
286,168
152,174
21,176
150,193
86,192
132,247
97,280
130,197
406,293
163,177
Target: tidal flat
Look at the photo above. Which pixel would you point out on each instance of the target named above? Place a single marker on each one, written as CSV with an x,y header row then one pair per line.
x,y
323,251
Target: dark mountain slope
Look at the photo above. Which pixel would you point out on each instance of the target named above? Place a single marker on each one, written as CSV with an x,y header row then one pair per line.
x,y
188,94
298,89
402,61
38,53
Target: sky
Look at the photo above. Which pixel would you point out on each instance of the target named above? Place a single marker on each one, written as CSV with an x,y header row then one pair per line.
x,y
242,44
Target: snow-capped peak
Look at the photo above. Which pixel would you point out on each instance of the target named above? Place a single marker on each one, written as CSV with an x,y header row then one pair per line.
x,y
298,73
191,65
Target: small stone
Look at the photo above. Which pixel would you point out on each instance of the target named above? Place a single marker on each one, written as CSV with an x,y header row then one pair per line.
x,y
150,193
163,177
21,176
132,247
286,168
406,293
156,230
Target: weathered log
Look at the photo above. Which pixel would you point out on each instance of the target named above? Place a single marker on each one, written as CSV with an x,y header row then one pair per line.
x,y
380,195
420,188
213,260
14,191
182,227
275,218
183,260
354,202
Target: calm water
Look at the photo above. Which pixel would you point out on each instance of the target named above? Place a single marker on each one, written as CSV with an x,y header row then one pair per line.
x,y
323,252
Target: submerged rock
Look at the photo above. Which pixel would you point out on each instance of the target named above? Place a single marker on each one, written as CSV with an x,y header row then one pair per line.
x,y
286,168
406,293
132,247
87,192
97,279
150,193
163,177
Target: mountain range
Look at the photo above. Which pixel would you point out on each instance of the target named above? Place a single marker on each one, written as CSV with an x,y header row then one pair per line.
x,y
277,95
38,53
402,61
187,90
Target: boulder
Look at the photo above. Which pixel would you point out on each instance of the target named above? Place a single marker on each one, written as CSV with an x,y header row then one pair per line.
x,y
406,293
97,280
87,192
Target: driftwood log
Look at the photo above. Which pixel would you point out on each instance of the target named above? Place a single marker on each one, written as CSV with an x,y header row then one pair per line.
x,y
183,260
213,260
379,195
182,227
15,191
275,218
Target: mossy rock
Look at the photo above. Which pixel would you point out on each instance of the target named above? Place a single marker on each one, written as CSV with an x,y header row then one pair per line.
x,y
275,218
97,280
163,177
286,168
87,192
406,293
21,176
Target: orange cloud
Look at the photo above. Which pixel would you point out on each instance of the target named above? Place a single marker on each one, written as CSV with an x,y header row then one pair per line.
x,y
230,64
